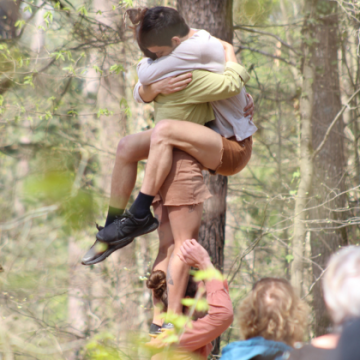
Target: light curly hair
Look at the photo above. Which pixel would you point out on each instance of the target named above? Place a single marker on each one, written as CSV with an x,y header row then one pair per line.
x,y
273,310
341,284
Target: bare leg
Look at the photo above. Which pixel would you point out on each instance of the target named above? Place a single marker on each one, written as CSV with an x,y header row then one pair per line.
x,y
166,246
185,224
130,150
204,144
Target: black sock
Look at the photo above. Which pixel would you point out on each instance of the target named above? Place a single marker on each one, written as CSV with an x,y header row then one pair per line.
x,y
141,206
112,214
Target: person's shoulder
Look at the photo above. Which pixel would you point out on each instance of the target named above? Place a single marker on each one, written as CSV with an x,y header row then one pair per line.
x,y
310,352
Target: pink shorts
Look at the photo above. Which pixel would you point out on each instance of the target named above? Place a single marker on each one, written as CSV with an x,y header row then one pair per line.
x,y
185,182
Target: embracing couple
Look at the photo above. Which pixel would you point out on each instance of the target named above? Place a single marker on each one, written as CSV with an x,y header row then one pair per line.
x,y
203,121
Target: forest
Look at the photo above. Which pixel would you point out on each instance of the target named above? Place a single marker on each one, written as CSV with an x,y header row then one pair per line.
x,y
67,73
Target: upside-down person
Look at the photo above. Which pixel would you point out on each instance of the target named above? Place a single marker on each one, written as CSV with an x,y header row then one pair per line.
x,y
206,326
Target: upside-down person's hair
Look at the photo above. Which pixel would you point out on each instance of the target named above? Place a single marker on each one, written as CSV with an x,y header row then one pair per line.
x,y
157,283
273,310
156,27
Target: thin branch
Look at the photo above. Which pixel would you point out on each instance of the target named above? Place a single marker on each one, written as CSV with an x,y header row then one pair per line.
x,y
278,38
249,249
299,22
266,54
314,283
34,214
337,117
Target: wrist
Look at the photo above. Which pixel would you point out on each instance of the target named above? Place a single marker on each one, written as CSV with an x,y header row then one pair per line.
x,y
155,88
205,264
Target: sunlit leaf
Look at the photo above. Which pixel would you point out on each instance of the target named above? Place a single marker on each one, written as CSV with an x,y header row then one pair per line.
x,y
209,274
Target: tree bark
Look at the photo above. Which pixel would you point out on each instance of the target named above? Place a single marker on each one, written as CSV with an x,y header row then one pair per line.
x,y
306,163
9,14
328,179
214,16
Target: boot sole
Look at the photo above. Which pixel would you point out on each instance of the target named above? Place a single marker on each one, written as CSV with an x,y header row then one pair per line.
x,y
106,253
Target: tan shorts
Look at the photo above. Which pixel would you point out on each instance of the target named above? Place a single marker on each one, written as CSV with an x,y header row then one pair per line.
x,y
185,183
235,155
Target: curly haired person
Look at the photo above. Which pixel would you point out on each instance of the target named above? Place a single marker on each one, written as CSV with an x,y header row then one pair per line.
x,y
272,319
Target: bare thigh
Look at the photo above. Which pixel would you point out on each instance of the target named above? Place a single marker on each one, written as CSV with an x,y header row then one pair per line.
x,y
185,222
204,144
135,147
166,240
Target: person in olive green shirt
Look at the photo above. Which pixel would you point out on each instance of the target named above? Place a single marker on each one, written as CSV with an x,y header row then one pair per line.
x,y
192,103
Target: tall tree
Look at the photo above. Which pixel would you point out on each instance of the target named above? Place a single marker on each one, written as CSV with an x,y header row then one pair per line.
x,y
329,157
214,16
306,163
322,158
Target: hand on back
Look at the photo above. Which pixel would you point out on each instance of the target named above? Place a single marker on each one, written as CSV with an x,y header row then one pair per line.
x,y
173,84
249,108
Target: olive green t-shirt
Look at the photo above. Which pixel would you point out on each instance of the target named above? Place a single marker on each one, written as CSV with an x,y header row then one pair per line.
x,y
192,103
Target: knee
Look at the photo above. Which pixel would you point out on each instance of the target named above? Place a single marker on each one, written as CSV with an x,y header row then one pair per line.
x,y
123,150
166,249
161,132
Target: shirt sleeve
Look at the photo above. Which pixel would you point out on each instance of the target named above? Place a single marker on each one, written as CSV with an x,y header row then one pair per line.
x,y
150,71
218,319
136,93
212,87
204,52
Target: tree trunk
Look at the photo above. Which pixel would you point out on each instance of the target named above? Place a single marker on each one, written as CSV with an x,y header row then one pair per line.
x,y
214,16
306,163
328,179
9,14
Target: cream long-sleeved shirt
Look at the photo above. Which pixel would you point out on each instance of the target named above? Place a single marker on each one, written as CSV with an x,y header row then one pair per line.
x,y
201,51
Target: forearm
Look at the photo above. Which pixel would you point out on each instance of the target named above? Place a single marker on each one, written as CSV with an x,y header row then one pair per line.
x,y
218,319
148,92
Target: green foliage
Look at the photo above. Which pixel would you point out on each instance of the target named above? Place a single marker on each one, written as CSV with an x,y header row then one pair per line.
x,y
208,274
200,304
117,68
127,3
254,11
102,347
82,10
49,187
48,17
20,23
105,112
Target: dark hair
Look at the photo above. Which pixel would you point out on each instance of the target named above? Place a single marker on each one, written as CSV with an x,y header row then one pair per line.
x,y
157,282
157,26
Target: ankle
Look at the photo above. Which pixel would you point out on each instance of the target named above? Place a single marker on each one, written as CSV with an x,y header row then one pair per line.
x,y
141,206
113,213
